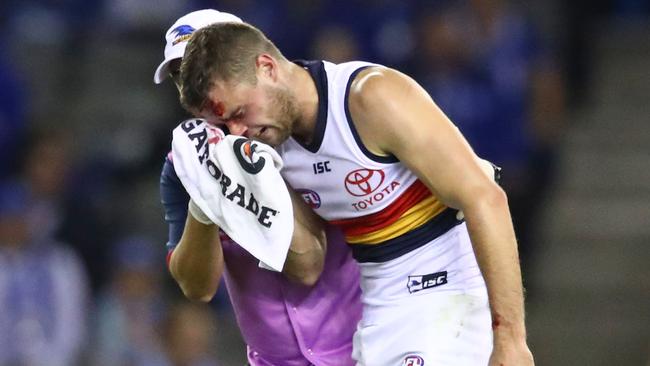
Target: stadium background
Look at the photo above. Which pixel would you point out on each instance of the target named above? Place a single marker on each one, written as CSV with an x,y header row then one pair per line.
x,y
555,91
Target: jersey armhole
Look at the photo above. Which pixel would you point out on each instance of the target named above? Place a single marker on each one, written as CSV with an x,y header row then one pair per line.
x,y
385,159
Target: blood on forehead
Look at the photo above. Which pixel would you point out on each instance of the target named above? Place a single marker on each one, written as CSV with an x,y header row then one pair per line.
x,y
217,108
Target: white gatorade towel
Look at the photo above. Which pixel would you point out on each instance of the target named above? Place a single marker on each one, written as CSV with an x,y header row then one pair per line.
x,y
236,182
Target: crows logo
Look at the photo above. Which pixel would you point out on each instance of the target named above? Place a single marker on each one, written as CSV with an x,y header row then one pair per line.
x,y
183,33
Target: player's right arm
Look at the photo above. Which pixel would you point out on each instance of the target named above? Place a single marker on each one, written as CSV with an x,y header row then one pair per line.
x,y
195,252
197,261
195,256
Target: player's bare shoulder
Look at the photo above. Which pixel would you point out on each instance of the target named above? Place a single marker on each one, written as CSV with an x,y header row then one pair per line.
x,y
376,97
374,86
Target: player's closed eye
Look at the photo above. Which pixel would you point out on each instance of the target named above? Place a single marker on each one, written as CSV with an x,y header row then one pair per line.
x,y
235,116
238,115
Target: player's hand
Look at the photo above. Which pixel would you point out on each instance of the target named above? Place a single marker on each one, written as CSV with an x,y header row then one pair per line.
x,y
511,354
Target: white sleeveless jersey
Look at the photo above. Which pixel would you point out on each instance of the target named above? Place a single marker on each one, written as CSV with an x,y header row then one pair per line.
x,y
382,207
419,276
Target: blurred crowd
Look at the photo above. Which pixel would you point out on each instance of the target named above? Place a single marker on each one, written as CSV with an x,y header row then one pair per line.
x,y
83,134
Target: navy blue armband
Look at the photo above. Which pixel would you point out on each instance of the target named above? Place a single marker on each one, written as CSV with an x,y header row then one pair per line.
x,y
174,200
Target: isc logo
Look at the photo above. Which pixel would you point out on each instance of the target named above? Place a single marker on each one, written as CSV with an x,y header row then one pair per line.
x,y
419,283
322,167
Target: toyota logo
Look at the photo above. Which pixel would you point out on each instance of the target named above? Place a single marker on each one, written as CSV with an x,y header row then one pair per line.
x,y
362,182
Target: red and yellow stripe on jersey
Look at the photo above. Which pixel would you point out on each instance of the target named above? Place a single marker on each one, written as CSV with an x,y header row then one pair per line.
x,y
412,220
414,208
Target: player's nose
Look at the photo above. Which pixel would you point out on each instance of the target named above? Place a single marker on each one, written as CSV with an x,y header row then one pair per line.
x,y
236,128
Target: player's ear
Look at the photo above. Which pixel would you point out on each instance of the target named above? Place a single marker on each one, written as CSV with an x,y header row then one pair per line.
x,y
267,66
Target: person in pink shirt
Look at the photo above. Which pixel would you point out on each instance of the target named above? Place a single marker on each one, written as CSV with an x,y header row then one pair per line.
x,y
283,322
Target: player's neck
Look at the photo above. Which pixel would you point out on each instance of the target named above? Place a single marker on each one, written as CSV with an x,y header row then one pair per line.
x,y
306,94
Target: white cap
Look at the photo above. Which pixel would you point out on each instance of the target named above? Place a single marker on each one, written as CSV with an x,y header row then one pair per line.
x,y
180,32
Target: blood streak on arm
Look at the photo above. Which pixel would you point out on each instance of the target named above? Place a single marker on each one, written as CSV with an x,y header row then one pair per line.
x,y
496,322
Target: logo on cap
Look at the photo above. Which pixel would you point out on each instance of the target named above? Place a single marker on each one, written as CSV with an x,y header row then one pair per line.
x,y
183,33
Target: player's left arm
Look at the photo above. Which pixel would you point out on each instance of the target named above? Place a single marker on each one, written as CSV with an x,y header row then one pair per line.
x,y
306,255
394,115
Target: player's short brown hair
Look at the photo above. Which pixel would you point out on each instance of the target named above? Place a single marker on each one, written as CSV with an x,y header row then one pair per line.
x,y
221,51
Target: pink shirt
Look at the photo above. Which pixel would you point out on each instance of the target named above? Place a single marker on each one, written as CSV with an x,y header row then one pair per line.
x,y
287,324
283,323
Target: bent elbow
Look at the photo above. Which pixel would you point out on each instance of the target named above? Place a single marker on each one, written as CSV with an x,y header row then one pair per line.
x,y
198,295
310,279
312,273
487,198
497,196
195,286
199,291
305,275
